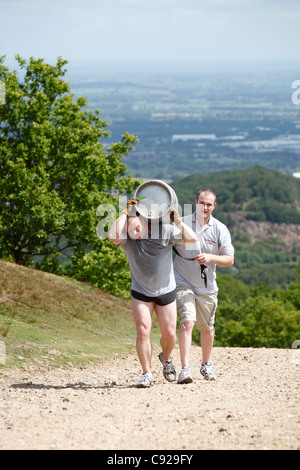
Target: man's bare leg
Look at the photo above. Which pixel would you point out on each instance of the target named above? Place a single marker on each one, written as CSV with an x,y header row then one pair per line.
x,y
207,341
185,341
142,314
166,315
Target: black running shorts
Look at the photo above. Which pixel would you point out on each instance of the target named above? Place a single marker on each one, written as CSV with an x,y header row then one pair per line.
x,y
164,299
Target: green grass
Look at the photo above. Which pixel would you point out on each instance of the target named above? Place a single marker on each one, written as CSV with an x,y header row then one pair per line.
x,y
48,320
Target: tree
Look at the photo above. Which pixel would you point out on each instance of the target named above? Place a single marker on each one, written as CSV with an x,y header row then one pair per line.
x,y
268,323
54,169
266,318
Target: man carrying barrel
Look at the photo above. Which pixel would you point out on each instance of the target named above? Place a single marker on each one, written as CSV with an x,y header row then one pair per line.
x,y
153,284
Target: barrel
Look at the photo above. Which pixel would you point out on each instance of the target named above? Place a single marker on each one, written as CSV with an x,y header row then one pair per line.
x,y
156,199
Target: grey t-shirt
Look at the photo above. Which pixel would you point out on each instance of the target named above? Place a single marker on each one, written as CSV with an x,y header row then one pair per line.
x,y
214,238
151,262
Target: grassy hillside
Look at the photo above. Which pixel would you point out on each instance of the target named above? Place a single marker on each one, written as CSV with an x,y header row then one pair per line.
x,y
48,320
261,207
51,320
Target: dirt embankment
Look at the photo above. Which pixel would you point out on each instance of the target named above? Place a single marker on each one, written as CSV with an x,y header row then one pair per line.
x,y
254,404
288,234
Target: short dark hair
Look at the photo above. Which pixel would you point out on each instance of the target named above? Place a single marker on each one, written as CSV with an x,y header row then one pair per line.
x,y
206,190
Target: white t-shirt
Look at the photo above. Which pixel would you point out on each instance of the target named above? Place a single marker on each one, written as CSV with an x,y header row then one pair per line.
x,y
213,238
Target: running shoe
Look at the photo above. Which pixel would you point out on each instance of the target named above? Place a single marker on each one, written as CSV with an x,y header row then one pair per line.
x,y
185,376
207,372
145,380
168,368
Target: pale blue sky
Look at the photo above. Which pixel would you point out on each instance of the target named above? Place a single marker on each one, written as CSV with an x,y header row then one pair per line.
x,y
150,30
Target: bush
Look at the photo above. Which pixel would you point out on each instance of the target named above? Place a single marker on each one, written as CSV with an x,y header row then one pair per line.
x,y
265,322
106,268
256,316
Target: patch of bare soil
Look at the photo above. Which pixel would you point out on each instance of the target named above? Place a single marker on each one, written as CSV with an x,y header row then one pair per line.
x,y
253,404
289,234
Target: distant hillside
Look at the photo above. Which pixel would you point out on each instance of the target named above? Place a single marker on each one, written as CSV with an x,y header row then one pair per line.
x,y
258,193
261,207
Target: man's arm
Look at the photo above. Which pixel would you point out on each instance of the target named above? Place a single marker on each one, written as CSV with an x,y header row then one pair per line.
x,y
117,232
187,233
220,260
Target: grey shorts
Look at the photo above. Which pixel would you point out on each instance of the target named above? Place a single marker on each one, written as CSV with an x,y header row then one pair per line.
x,y
200,308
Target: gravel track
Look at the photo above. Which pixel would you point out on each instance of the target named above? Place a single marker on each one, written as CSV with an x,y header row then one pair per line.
x,y
253,404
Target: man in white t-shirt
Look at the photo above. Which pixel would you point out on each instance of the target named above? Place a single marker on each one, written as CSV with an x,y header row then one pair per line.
x,y
195,275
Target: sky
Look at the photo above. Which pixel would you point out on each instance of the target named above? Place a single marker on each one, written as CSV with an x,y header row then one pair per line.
x,y
89,31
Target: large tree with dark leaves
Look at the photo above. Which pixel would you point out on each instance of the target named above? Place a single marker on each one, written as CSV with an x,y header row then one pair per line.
x,y
54,168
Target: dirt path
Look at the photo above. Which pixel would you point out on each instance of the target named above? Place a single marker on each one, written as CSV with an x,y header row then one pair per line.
x,y
254,404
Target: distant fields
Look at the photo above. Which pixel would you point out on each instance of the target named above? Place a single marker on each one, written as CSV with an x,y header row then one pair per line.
x,y
250,113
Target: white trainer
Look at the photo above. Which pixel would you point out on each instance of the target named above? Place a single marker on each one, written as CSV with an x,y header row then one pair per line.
x,y
185,376
207,371
145,380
